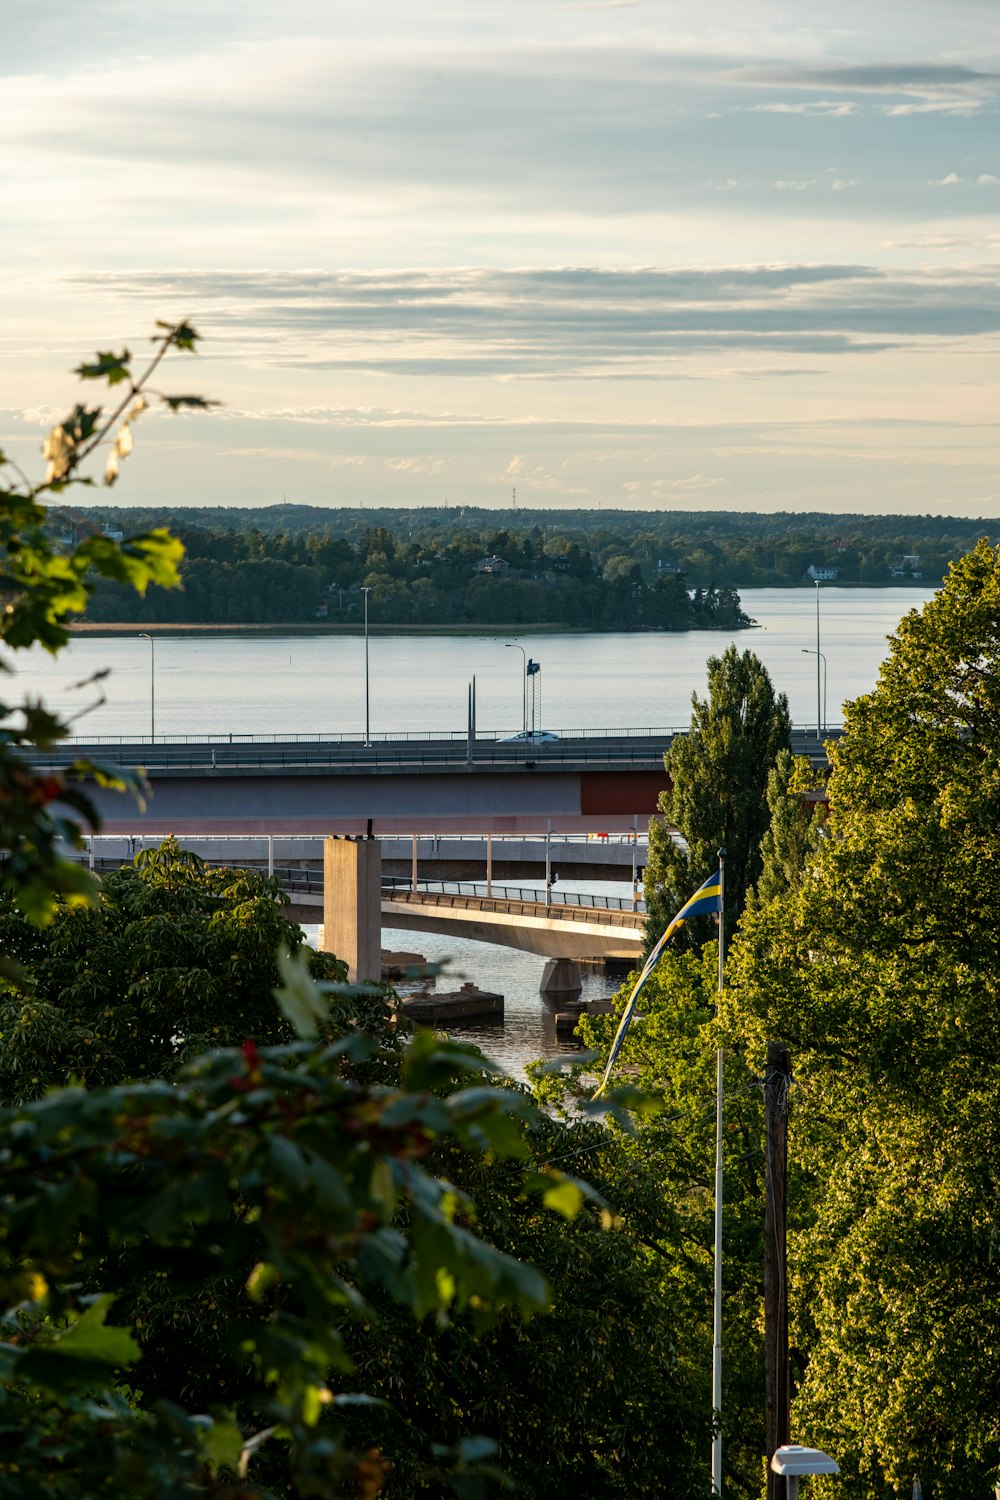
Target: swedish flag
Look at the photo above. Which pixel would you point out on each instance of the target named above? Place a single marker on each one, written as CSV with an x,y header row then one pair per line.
x,y
706,899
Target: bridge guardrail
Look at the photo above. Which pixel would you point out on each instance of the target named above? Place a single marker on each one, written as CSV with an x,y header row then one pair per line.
x,y
263,753
225,757
525,900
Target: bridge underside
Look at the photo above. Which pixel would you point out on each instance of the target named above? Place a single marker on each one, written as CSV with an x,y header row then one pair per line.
x,y
549,937
459,801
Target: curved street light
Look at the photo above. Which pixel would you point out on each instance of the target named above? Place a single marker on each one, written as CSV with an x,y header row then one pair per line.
x,y
820,728
508,645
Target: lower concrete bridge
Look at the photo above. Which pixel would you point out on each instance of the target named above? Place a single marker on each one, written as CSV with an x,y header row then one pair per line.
x,y
569,926
560,929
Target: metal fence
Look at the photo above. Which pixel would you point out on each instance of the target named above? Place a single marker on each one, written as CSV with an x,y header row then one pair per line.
x,y
502,892
237,752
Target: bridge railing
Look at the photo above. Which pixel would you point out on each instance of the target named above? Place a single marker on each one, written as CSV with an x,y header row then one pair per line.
x,y
300,752
502,891
291,756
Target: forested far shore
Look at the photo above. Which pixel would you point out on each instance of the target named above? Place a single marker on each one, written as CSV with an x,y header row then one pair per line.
x,y
465,579
731,549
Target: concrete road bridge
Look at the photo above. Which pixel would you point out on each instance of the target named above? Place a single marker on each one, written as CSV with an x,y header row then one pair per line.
x,y
567,925
591,781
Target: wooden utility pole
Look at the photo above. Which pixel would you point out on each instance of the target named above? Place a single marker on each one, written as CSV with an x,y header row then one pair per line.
x,y
777,1076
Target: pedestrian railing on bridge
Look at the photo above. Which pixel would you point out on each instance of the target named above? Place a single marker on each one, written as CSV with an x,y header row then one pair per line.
x,y
573,906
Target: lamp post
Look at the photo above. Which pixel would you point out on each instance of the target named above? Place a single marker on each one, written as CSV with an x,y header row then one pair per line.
x,y
806,651
145,636
366,592
819,726
532,670
512,645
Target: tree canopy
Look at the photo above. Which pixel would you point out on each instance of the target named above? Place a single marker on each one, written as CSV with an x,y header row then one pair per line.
x,y
716,797
879,971
172,959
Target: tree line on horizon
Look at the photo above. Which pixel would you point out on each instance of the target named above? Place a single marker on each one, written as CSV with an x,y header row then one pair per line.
x,y
497,578
614,569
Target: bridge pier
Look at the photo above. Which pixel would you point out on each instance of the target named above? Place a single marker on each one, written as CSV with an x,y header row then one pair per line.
x,y
352,905
561,976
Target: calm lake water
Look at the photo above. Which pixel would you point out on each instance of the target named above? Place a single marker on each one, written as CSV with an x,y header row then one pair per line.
x,y
277,685
315,684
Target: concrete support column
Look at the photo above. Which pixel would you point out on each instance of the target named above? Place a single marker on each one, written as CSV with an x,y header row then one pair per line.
x,y
352,905
561,977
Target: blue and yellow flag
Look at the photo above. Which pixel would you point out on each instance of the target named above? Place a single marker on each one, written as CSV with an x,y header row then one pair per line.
x,y
706,899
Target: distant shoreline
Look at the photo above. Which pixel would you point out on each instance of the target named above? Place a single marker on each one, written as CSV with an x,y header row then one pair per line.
x,y
118,627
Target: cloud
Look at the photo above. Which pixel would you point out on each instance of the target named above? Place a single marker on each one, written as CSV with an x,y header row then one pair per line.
x,y
922,79
796,187
950,181
987,179
944,242
570,323
296,455
415,466
831,107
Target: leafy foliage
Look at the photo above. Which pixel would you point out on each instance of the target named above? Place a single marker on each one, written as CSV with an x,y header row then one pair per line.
x,y
716,799
879,971
43,584
595,1397
796,811
659,1177
173,959
273,1167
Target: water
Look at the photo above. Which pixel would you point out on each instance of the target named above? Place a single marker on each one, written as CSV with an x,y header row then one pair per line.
x,y
528,1030
302,685
240,684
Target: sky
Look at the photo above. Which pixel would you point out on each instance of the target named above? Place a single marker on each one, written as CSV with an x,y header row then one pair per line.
x,y
566,253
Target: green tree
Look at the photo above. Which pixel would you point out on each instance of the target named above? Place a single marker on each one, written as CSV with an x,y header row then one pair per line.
x,y
879,972
796,809
660,1178
716,797
596,1397
273,1169
42,586
174,958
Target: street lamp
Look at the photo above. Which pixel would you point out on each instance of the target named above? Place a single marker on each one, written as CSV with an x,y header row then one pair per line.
x,y
508,645
819,726
806,651
366,592
145,636
793,1460
532,670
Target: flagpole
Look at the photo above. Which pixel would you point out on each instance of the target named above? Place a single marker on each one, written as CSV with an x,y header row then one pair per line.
x,y
717,1341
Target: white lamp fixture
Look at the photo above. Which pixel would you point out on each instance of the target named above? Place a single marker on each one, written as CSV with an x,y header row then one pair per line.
x,y
793,1460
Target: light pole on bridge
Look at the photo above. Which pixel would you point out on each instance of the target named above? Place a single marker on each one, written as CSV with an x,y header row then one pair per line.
x,y
368,736
145,636
512,645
